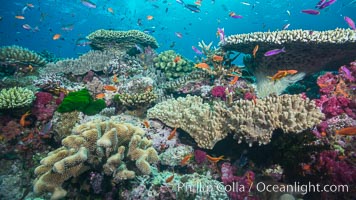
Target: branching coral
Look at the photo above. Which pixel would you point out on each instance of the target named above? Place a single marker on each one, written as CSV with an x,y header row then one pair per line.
x,y
16,97
105,143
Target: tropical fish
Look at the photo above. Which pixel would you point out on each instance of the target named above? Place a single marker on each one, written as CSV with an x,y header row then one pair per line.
x,y
245,3
221,33
281,74
82,42
234,15
169,179
100,96
23,121
27,27
88,4
56,36
311,12
198,2
178,34
180,1
234,80
67,27
217,58
196,50
292,71
255,50
288,12
146,123
193,8
202,66
185,160
172,134
110,88
177,59
111,10
46,128
149,30
326,4
115,79
149,17
346,131
350,22
214,159
286,26
19,17
274,52
321,2
347,73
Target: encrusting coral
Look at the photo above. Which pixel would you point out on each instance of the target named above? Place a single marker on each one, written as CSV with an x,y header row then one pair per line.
x,y
120,40
107,143
306,51
253,121
15,97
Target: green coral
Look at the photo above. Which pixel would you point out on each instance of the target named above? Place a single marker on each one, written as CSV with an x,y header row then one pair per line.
x,y
81,101
165,62
16,97
120,40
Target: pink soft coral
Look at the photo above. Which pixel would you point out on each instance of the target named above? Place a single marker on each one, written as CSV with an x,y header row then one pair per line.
x,y
219,91
44,106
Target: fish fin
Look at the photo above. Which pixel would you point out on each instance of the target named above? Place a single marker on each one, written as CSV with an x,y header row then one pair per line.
x,y
283,49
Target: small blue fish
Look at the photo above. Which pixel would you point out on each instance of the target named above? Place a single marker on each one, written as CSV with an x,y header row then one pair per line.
x,y
274,52
193,8
46,128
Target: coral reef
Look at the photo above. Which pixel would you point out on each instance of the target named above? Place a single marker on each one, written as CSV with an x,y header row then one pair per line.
x,y
15,97
303,49
172,64
44,106
120,40
63,124
15,58
174,156
137,100
105,143
253,122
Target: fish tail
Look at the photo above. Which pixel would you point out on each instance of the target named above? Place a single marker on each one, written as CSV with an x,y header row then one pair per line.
x,y
283,49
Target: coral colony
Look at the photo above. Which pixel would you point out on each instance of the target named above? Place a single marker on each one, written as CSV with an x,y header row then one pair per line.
x,y
124,121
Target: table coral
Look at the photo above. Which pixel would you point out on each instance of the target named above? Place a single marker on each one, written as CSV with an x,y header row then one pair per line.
x,y
120,40
306,51
109,144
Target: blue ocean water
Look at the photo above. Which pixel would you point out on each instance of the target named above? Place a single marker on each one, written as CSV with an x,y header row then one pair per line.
x,y
49,17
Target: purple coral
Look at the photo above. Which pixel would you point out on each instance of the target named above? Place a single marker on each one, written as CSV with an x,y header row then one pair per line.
x,y
327,83
96,181
219,91
245,181
199,156
44,106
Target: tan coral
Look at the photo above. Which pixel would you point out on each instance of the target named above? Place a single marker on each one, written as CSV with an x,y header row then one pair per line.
x,y
203,122
250,122
92,144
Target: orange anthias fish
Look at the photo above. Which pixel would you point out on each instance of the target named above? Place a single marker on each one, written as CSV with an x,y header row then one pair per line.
x,y
172,134
202,66
185,160
217,58
115,79
23,121
169,179
279,75
146,123
56,36
100,96
110,88
198,2
214,159
346,131
292,71
19,17
233,81
149,17
177,59
255,51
